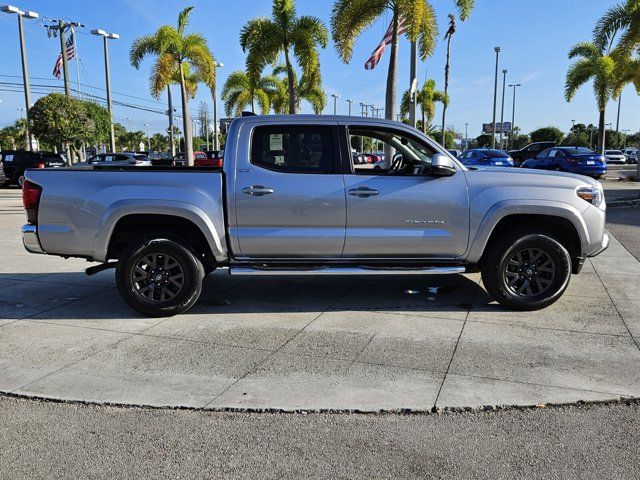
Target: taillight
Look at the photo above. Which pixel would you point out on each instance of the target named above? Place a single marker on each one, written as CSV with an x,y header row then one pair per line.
x,y
41,165
31,199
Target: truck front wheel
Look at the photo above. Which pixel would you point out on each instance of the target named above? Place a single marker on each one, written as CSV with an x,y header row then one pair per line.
x,y
525,270
159,277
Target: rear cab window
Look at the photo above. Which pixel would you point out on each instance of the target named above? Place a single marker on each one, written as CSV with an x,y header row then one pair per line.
x,y
295,149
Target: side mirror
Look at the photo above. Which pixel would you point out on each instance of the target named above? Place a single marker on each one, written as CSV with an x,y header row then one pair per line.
x,y
442,165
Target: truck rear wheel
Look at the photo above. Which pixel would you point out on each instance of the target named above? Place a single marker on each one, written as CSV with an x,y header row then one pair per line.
x,y
159,277
526,270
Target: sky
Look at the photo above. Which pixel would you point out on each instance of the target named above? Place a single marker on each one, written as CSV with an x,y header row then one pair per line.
x,y
534,37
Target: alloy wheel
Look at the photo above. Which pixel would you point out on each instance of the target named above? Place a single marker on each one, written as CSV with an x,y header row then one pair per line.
x,y
529,272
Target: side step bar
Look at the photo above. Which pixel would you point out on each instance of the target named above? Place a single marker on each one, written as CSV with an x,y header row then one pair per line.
x,y
259,271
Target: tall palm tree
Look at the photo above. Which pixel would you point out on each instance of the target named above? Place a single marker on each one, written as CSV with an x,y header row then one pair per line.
x,y
426,97
623,18
180,58
450,31
594,63
350,17
266,39
309,88
240,91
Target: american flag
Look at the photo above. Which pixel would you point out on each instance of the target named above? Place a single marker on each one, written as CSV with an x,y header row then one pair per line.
x,y
376,56
71,52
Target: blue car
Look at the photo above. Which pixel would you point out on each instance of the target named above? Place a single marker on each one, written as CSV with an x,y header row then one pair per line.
x,y
583,161
485,157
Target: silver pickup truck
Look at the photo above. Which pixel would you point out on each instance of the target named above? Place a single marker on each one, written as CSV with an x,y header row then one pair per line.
x,y
292,199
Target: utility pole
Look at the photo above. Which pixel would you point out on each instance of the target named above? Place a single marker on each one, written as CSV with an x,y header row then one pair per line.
x,y
349,101
618,121
413,84
513,114
495,98
25,67
216,145
335,102
62,25
105,37
504,85
172,143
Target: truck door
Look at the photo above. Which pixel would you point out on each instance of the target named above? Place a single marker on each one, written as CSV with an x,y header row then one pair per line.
x,y
289,193
397,208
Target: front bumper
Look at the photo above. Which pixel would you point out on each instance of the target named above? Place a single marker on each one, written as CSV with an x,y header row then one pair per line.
x,y
603,246
30,239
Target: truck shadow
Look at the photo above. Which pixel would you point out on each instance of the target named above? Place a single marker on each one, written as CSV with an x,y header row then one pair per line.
x,y
73,296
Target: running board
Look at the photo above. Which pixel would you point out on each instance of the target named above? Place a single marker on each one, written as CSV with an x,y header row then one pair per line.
x,y
258,271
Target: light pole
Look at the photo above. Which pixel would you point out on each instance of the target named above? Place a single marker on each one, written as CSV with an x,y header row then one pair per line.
x,y
25,67
349,101
107,72
129,118
335,102
573,124
21,110
148,138
495,98
513,114
362,109
504,84
216,145
624,145
466,136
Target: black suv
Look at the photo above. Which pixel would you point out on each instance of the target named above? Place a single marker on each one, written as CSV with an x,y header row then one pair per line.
x,y
15,162
530,151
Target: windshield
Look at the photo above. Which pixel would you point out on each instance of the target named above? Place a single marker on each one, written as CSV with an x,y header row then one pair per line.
x,y
613,152
494,153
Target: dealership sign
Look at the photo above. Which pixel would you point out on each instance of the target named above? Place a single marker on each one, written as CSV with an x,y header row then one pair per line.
x,y
500,127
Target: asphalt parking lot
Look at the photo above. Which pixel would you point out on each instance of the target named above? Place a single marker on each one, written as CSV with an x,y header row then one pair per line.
x,y
285,343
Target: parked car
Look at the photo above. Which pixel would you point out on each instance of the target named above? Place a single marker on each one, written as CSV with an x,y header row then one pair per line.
x,y
121,159
161,159
198,157
485,157
583,161
615,156
530,151
15,162
214,159
631,154
3,178
288,202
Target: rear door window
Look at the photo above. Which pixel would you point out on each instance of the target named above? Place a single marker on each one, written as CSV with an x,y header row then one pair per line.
x,y
295,149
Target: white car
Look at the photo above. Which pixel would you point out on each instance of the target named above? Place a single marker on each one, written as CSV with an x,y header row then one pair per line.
x,y
615,156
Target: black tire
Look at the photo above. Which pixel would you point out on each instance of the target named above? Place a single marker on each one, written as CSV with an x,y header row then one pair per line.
x,y
503,277
149,294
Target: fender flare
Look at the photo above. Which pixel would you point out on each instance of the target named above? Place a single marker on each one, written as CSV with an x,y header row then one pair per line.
x,y
532,207
123,208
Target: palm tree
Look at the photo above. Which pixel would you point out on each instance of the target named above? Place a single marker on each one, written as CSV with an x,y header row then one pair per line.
x,y
241,90
309,88
180,58
350,17
623,18
594,63
450,31
265,39
426,97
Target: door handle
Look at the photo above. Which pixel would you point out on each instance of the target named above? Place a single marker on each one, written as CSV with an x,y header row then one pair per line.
x,y
257,190
363,192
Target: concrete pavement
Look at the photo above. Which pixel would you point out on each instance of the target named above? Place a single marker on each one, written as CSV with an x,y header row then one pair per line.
x,y
286,343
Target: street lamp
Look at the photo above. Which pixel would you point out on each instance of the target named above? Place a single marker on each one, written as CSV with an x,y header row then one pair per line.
x,y
129,118
25,68
513,113
148,138
466,136
335,102
625,138
495,98
349,101
106,36
216,145
504,84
